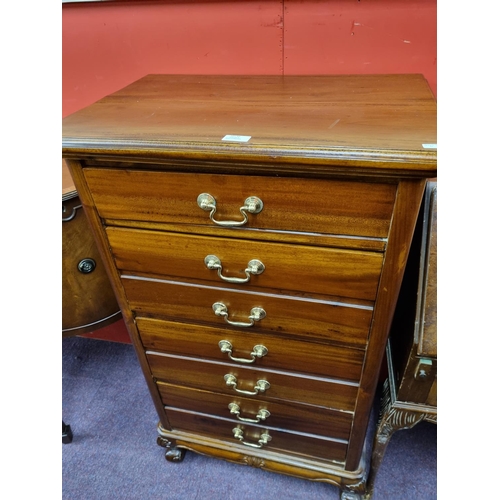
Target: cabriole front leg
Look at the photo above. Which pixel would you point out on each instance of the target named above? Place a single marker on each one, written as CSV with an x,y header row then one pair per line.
x,y
391,419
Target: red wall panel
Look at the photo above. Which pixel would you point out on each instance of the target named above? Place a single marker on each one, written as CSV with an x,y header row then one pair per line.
x,y
107,45
361,36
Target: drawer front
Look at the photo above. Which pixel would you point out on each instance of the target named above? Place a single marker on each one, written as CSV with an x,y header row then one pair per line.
x,y
325,321
301,418
211,376
293,355
291,443
317,270
303,205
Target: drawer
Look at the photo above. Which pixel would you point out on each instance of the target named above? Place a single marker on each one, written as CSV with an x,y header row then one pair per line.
x,y
293,317
210,376
317,270
294,355
291,443
289,204
301,418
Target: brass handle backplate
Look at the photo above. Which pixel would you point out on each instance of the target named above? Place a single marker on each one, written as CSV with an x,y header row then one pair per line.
x,y
252,205
256,314
258,352
260,386
254,267
261,415
264,438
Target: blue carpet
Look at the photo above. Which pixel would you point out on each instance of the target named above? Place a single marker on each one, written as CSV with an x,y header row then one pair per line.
x,y
114,454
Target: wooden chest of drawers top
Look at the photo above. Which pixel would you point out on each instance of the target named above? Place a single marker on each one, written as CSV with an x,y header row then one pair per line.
x,y
365,122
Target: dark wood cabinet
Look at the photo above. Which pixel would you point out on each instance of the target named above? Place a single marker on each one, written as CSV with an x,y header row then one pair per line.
x,y
256,231
88,301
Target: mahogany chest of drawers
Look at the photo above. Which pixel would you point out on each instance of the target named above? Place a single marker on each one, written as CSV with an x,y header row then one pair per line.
x,y
256,230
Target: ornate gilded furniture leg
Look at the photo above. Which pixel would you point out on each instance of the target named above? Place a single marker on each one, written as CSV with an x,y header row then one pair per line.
x,y
394,416
391,419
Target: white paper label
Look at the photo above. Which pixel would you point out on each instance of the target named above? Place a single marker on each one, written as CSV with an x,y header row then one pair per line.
x,y
430,146
237,138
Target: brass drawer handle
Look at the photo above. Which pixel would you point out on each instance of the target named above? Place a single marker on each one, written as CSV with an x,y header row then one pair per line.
x,y
264,438
258,352
252,205
253,267
261,414
256,314
260,386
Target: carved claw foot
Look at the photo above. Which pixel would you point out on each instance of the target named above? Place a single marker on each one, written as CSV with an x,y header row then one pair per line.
x,y
172,453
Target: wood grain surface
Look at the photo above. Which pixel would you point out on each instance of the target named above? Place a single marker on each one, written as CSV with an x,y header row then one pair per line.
x,y
365,120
